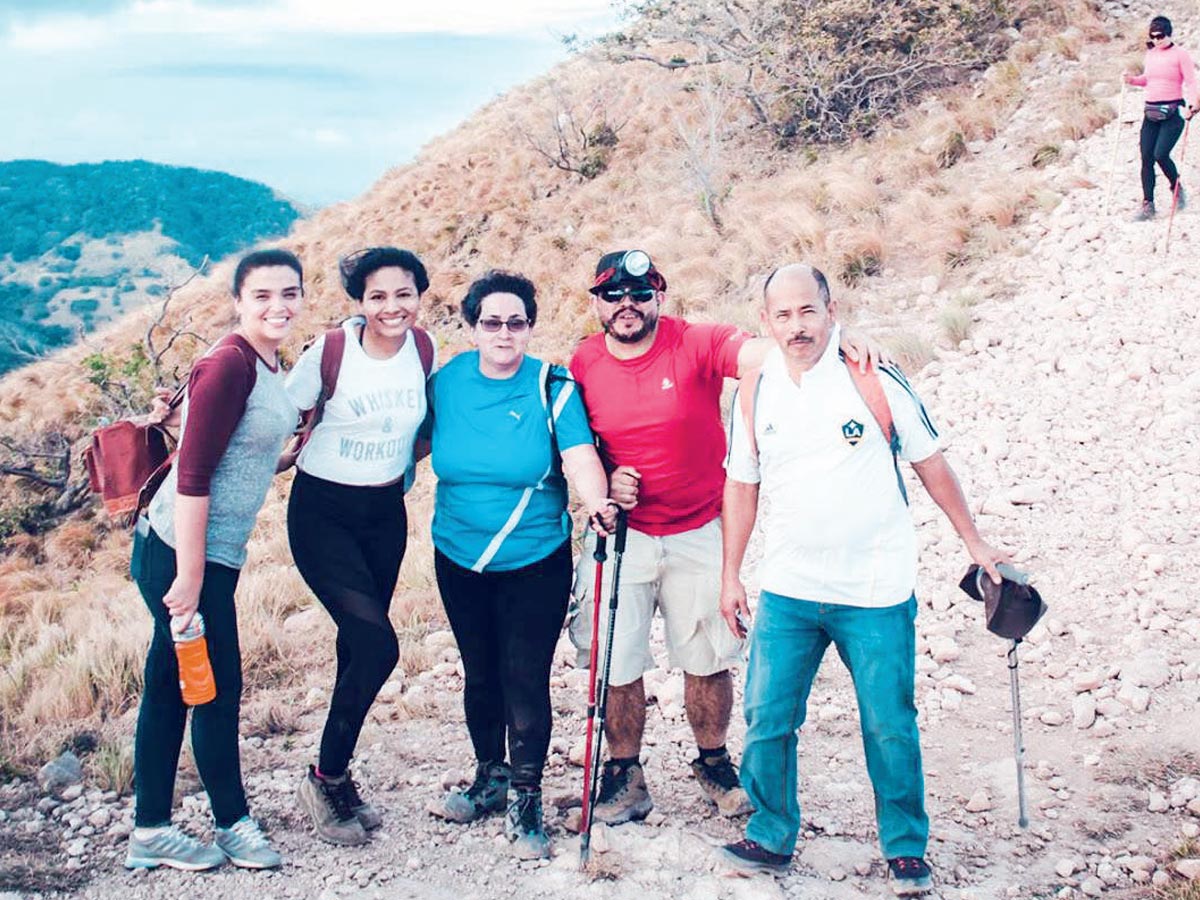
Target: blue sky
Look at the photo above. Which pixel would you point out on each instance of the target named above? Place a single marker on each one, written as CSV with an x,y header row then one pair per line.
x,y
316,98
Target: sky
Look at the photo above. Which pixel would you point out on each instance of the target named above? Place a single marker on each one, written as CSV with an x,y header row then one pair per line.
x,y
316,98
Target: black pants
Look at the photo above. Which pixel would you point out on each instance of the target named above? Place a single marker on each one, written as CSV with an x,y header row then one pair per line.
x,y
348,542
1157,141
162,713
506,625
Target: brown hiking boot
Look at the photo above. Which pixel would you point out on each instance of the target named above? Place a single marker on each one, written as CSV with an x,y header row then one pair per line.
x,y
327,803
718,778
623,796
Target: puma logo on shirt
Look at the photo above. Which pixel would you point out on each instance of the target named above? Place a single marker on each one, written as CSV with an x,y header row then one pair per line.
x,y
516,415
667,384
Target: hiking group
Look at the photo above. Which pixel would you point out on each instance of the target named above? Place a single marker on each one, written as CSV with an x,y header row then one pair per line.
x,y
634,425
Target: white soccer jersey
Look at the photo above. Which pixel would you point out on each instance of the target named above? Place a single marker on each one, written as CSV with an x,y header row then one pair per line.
x,y
836,527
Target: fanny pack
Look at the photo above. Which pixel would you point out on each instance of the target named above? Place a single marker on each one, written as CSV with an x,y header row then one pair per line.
x,y
1160,112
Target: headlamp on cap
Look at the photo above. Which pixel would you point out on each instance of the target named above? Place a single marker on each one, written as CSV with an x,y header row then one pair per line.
x,y
628,266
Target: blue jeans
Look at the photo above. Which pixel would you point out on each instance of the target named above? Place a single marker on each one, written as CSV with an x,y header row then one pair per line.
x,y
878,646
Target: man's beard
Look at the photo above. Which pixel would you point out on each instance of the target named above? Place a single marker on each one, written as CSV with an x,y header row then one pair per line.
x,y
648,325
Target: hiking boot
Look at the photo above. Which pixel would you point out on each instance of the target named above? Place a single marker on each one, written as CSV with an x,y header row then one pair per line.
x,y
523,825
909,876
487,795
368,816
718,779
246,845
751,856
168,846
623,795
1145,213
328,802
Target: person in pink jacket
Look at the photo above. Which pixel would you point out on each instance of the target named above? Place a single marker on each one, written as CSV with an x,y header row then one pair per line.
x,y
1169,77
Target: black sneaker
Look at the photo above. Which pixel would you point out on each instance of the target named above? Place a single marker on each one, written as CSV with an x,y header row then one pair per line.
x,y
718,778
523,825
909,876
751,856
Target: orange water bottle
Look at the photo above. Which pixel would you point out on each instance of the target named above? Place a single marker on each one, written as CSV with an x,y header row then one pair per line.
x,y
196,681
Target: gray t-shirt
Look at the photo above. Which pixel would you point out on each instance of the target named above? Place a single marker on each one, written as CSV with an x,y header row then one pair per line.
x,y
236,417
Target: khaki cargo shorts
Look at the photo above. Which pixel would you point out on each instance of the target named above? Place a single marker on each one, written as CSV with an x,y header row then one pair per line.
x,y
680,575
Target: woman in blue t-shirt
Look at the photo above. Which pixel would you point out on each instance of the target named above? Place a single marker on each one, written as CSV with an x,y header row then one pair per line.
x,y
506,429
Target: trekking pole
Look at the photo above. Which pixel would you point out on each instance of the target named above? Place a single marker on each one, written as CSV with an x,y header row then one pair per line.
x,y
1178,182
585,825
1018,742
1112,165
599,556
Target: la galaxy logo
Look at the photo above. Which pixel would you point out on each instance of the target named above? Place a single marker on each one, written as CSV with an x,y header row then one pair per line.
x,y
852,431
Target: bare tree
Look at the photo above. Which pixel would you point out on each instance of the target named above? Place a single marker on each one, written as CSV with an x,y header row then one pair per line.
x,y
820,70
703,143
575,134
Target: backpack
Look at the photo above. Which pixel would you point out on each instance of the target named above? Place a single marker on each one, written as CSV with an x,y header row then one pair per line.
x,y
126,456
332,352
869,388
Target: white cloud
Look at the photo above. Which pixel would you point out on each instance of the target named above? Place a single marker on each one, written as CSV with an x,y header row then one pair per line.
x,y
256,22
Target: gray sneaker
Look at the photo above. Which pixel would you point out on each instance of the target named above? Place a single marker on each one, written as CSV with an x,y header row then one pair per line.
x,y
718,778
1180,197
368,816
488,794
328,803
246,845
171,847
523,826
1146,213
623,796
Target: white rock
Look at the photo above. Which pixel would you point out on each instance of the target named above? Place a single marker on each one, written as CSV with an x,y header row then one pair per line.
x,y
1093,887
1136,698
1148,669
1188,868
1157,802
1065,868
1088,681
1052,717
944,649
1083,711
100,818
980,801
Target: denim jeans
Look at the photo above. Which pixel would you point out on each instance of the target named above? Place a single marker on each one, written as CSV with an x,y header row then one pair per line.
x,y
878,646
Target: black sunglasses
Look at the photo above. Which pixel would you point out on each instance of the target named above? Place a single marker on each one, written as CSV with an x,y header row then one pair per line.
x,y
515,325
636,294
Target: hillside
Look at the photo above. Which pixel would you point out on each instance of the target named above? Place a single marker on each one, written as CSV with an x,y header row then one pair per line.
x,y
81,244
1050,337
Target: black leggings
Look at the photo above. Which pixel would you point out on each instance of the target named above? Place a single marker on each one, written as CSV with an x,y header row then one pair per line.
x,y
1157,141
506,625
162,713
348,542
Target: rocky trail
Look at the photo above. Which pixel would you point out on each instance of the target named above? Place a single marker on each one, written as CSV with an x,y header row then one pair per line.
x,y
1072,414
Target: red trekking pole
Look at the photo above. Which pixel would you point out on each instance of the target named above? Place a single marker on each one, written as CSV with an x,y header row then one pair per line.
x,y
585,821
598,696
1178,182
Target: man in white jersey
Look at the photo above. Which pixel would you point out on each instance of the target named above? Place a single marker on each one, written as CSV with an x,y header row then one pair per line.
x,y
839,566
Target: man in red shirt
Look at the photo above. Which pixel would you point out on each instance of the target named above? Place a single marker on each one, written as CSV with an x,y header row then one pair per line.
x,y
652,385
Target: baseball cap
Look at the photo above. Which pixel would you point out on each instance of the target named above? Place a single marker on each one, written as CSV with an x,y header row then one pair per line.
x,y
627,267
1011,607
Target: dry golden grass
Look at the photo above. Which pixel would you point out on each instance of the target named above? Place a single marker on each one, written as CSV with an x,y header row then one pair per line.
x,y
73,630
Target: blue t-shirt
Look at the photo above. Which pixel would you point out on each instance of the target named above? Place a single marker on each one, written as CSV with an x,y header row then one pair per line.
x,y
501,498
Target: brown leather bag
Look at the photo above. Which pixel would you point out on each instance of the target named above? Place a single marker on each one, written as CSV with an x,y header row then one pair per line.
x,y
124,459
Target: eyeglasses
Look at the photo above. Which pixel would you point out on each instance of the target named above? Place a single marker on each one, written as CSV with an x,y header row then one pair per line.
x,y
636,294
515,325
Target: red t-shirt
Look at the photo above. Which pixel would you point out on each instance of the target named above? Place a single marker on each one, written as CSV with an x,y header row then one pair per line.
x,y
661,414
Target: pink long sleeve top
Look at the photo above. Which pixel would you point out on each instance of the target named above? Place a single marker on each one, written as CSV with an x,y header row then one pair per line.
x,y
1169,74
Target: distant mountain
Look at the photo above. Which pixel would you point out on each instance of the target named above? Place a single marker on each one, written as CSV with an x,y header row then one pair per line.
x,y
79,244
